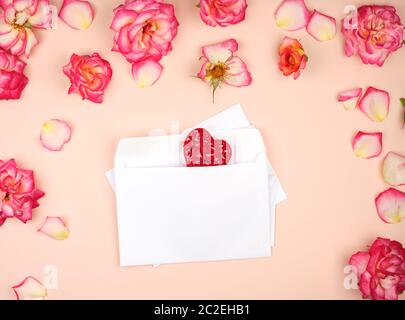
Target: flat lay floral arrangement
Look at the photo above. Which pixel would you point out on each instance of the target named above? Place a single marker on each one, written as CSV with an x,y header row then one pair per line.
x,y
145,33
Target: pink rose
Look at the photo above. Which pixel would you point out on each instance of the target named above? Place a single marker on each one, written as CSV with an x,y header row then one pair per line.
x,y
381,270
12,78
144,28
89,76
378,33
17,18
222,13
18,195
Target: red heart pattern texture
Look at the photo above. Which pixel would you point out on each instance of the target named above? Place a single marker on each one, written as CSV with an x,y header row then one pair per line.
x,y
202,150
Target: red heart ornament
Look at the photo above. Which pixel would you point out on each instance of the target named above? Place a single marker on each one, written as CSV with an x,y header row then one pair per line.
x,y
201,150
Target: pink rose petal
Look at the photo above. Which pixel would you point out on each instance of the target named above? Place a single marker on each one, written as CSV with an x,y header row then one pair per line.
x,y
359,261
321,27
394,169
77,14
349,98
238,73
42,19
220,52
146,72
55,133
2,220
55,228
30,289
292,15
367,145
390,206
375,104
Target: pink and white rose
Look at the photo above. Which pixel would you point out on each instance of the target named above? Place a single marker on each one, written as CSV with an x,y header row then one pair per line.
x,y
222,65
89,76
380,270
377,33
144,29
222,13
12,77
17,19
18,194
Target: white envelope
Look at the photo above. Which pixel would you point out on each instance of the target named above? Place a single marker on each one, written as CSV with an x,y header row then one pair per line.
x,y
172,214
231,118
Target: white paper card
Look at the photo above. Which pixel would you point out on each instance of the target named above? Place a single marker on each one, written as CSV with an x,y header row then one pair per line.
x,y
181,214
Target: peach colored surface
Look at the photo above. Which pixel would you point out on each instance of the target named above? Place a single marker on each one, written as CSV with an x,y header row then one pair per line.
x,y
330,212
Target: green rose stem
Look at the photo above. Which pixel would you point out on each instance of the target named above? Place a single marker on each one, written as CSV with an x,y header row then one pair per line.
x,y
403,104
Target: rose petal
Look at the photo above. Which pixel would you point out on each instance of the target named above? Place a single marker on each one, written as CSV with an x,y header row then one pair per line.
x,y
238,74
375,104
32,41
220,52
367,145
55,228
42,19
122,18
9,39
30,289
349,98
55,133
5,28
390,206
292,15
394,169
77,14
321,27
146,72
21,5
365,285
359,261
2,220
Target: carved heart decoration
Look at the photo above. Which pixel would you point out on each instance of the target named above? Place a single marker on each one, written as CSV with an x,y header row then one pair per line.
x,y
201,150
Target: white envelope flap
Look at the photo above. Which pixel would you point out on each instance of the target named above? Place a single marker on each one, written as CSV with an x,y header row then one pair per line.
x,y
152,151
167,151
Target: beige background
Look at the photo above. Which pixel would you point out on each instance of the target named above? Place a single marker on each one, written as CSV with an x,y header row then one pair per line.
x,y
330,212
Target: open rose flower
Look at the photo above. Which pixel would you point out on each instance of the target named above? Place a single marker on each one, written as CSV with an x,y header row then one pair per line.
x,y
377,33
17,19
222,13
381,270
18,194
89,76
221,65
292,57
12,77
144,28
